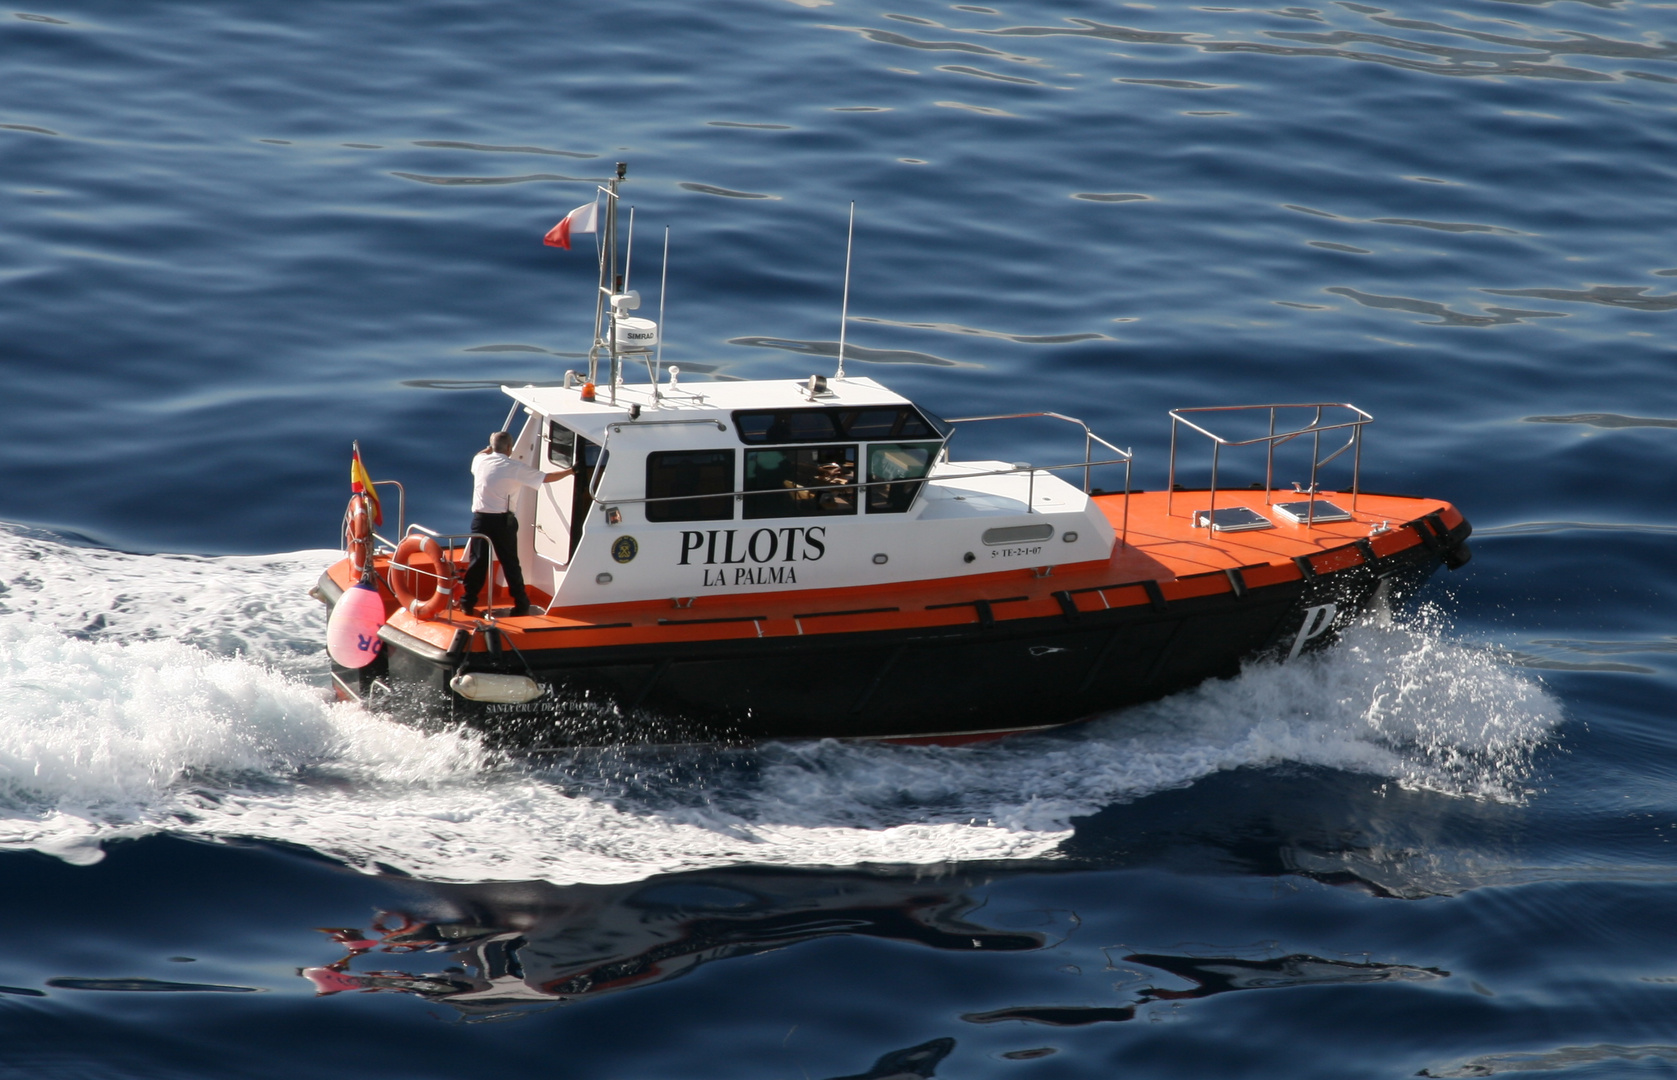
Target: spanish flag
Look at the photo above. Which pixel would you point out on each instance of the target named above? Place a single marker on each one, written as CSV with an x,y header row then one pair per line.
x,y
362,484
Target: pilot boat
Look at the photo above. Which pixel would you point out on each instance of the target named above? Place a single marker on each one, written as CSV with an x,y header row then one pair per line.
x,y
796,559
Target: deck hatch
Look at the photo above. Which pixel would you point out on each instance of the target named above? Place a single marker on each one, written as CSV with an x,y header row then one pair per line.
x,y
1232,519
1299,513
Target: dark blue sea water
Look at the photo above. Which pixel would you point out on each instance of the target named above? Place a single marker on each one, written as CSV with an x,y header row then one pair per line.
x,y
235,236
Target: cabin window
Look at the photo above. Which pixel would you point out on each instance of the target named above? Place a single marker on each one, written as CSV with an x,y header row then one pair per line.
x,y
707,473
800,481
894,474
561,444
823,424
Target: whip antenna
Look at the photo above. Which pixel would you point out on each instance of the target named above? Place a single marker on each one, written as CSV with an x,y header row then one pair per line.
x,y
844,310
663,281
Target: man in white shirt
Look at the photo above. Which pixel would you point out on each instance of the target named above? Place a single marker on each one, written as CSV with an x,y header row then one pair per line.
x,y
496,481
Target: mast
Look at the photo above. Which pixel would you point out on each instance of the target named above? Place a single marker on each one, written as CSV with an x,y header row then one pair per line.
x,y
608,279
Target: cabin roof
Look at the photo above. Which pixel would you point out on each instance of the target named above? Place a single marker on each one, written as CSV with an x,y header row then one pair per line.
x,y
696,400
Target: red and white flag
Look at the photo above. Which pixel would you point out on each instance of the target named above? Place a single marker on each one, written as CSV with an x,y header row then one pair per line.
x,y
581,220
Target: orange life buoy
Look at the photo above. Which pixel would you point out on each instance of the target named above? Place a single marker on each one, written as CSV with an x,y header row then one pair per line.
x,y
424,590
358,533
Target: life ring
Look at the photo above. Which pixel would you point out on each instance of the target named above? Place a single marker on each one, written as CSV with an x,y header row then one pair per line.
x,y
408,581
358,533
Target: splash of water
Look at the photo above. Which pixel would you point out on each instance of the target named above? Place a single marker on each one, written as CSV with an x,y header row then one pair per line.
x,y
168,693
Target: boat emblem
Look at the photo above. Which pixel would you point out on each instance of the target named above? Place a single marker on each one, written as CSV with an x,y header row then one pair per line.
x,y
624,549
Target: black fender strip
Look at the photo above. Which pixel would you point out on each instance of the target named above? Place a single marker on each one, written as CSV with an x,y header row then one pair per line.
x,y
852,611
1155,595
1067,605
985,608
1237,582
1305,566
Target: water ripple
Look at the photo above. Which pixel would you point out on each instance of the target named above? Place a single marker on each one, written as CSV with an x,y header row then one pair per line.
x,y
1442,315
984,109
1537,60
1445,226
973,331
726,193
478,181
1177,84
888,37
444,144
851,352
1620,296
1604,420
962,69
1566,1058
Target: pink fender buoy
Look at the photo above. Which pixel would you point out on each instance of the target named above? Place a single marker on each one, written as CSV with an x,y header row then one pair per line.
x,y
352,631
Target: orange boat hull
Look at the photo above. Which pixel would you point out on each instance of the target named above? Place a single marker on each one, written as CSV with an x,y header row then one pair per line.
x,y
951,661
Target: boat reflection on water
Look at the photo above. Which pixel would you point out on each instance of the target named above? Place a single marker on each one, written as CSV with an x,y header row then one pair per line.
x,y
515,945
492,951
1212,975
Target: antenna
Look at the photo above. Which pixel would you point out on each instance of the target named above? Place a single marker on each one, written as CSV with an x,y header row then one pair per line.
x,y
629,255
844,311
663,281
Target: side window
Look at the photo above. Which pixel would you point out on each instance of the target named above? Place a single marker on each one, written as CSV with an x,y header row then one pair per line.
x,y
867,424
894,471
817,425
808,425
754,427
561,444
800,481
915,426
708,473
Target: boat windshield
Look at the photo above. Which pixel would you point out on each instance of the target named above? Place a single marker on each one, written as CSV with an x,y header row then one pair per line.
x,y
776,426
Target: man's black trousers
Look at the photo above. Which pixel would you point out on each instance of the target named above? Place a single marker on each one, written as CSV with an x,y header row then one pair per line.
x,y
502,530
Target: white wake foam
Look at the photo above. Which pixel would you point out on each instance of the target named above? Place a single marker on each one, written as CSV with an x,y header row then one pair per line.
x,y
164,693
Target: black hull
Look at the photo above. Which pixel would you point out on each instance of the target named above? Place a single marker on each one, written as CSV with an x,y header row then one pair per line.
x,y
999,675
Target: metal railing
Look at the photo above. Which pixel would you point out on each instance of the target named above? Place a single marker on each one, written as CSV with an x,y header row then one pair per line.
x,y
401,504
1316,428
609,503
1125,457
448,542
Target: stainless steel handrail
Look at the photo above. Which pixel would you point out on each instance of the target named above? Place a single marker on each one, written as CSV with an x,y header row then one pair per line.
x,y
448,542
401,501
1023,467
1315,428
1125,457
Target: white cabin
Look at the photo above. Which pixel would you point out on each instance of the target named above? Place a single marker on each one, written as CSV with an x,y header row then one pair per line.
x,y
749,487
